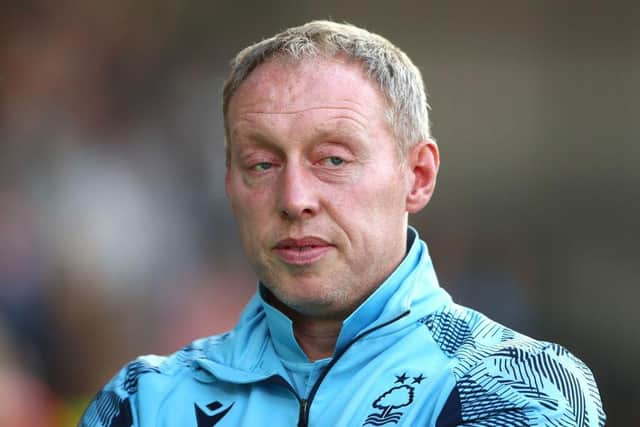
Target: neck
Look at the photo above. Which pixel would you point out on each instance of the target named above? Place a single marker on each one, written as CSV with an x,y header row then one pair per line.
x,y
316,337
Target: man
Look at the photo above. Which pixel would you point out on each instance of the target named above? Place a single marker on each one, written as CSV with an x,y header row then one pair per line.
x,y
328,151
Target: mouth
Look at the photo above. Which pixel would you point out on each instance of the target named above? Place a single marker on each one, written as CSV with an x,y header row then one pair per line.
x,y
303,251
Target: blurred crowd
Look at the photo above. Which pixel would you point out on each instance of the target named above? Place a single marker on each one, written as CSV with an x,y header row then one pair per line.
x,y
114,238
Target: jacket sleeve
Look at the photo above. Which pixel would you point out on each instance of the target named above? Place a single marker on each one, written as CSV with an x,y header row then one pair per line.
x,y
525,387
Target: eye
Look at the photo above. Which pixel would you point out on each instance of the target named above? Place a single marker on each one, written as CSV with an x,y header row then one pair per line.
x,y
333,161
262,166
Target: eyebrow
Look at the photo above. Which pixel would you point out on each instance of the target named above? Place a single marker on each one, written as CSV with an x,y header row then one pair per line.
x,y
254,139
339,126
249,133
336,127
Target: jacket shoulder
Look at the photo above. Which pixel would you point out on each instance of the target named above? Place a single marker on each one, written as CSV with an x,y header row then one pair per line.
x,y
114,405
504,378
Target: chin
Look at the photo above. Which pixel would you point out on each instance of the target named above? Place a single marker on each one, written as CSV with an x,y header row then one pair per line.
x,y
321,305
314,309
306,300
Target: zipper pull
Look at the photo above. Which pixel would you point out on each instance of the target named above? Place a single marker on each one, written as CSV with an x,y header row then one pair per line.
x,y
302,418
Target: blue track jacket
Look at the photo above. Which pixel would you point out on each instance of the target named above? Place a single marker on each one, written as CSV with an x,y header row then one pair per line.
x,y
408,356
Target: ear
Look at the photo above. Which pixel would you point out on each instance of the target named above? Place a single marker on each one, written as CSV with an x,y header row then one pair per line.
x,y
423,161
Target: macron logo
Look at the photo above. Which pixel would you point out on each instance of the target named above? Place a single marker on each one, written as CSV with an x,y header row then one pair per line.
x,y
205,420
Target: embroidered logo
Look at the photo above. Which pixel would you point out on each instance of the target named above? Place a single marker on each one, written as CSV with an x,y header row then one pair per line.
x,y
205,420
396,397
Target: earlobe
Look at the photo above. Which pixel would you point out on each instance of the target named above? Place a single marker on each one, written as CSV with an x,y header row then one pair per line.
x,y
423,163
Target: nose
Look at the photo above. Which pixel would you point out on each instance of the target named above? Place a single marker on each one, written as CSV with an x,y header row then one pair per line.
x,y
297,193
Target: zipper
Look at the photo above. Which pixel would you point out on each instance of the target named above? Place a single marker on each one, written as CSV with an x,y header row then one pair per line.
x,y
302,403
302,417
305,404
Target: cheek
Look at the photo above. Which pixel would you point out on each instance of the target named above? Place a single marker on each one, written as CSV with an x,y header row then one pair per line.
x,y
246,202
250,222
384,201
248,217
369,214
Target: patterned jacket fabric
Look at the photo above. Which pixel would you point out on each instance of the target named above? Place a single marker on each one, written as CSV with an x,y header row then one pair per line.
x,y
408,356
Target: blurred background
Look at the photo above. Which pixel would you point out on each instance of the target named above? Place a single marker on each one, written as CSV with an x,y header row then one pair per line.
x,y
116,238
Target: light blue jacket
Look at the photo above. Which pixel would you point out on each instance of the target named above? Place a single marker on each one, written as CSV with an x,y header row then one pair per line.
x,y
408,356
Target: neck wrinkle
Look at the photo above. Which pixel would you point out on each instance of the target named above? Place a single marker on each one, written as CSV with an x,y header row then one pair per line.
x,y
316,337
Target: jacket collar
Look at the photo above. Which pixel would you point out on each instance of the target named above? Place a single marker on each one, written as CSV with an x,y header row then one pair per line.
x,y
252,350
392,298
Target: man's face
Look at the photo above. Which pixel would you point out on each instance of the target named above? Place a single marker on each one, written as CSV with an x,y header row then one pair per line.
x,y
315,183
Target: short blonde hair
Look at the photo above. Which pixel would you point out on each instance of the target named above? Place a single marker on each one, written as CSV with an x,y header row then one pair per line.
x,y
398,78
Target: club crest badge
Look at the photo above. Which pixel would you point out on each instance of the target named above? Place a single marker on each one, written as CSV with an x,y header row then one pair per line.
x,y
390,403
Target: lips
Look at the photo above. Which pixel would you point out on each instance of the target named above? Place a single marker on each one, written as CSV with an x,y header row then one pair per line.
x,y
301,243
303,251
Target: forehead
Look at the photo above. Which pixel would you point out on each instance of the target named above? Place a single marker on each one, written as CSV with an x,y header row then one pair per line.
x,y
282,85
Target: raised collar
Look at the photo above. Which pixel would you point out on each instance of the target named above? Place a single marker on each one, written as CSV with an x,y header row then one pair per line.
x,y
393,297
